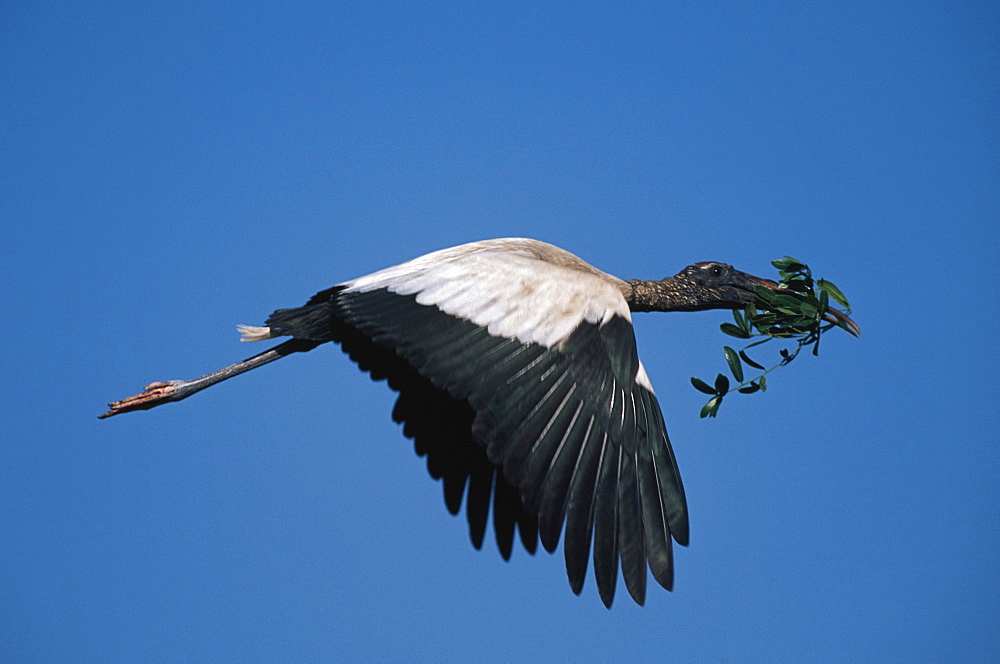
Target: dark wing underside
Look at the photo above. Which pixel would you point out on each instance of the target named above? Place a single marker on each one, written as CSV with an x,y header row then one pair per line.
x,y
440,425
580,443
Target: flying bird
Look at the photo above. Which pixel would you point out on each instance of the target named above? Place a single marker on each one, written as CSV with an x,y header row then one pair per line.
x,y
519,379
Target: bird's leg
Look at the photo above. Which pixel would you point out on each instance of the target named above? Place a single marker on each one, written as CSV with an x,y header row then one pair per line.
x,y
161,392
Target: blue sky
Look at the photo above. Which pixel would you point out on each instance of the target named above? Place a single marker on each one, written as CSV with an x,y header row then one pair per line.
x,y
168,171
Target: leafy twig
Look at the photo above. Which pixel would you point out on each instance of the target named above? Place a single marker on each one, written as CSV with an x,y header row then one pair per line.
x,y
796,312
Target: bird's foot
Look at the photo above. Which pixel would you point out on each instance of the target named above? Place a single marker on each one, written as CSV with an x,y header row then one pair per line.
x,y
154,394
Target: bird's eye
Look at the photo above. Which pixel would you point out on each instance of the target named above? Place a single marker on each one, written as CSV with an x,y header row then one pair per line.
x,y
716,271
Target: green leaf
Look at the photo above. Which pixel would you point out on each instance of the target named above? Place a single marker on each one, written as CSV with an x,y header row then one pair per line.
x,y
733,331
746,358
803,323
788,264
762,381
790,301
808,309
749,389
712,407
721,385
741,321
734,363
798,285
764,294
702,386
834,292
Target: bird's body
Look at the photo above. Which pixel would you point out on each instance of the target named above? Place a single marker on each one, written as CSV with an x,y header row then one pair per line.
x,y
518,375
519,288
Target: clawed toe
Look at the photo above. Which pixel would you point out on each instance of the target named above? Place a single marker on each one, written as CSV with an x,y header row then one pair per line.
x,y
152,395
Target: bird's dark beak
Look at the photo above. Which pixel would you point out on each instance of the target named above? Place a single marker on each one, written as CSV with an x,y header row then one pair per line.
x,y
838,317
832,315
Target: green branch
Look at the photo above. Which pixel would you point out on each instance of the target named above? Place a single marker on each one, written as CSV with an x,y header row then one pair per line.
x,y
798,313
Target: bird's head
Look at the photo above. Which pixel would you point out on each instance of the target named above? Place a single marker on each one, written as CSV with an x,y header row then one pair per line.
x,y
711,285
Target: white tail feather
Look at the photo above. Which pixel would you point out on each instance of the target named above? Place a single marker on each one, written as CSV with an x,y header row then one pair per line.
x,y
253,333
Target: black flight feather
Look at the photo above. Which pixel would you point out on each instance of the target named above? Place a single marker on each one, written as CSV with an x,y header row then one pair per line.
x,y
550,437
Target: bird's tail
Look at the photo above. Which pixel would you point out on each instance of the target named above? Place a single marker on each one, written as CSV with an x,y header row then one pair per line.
x,y
313,322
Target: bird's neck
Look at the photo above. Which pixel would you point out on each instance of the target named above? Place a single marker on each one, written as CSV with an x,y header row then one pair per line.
x,y
665,295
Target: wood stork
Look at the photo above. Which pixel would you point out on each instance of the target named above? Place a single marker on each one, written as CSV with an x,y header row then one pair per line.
x,y
518,376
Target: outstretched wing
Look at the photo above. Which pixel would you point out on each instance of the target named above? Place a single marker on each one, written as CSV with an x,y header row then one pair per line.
x,y
541,346
439,424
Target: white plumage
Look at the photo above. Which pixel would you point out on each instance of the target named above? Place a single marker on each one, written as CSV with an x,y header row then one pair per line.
x,y
507,287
